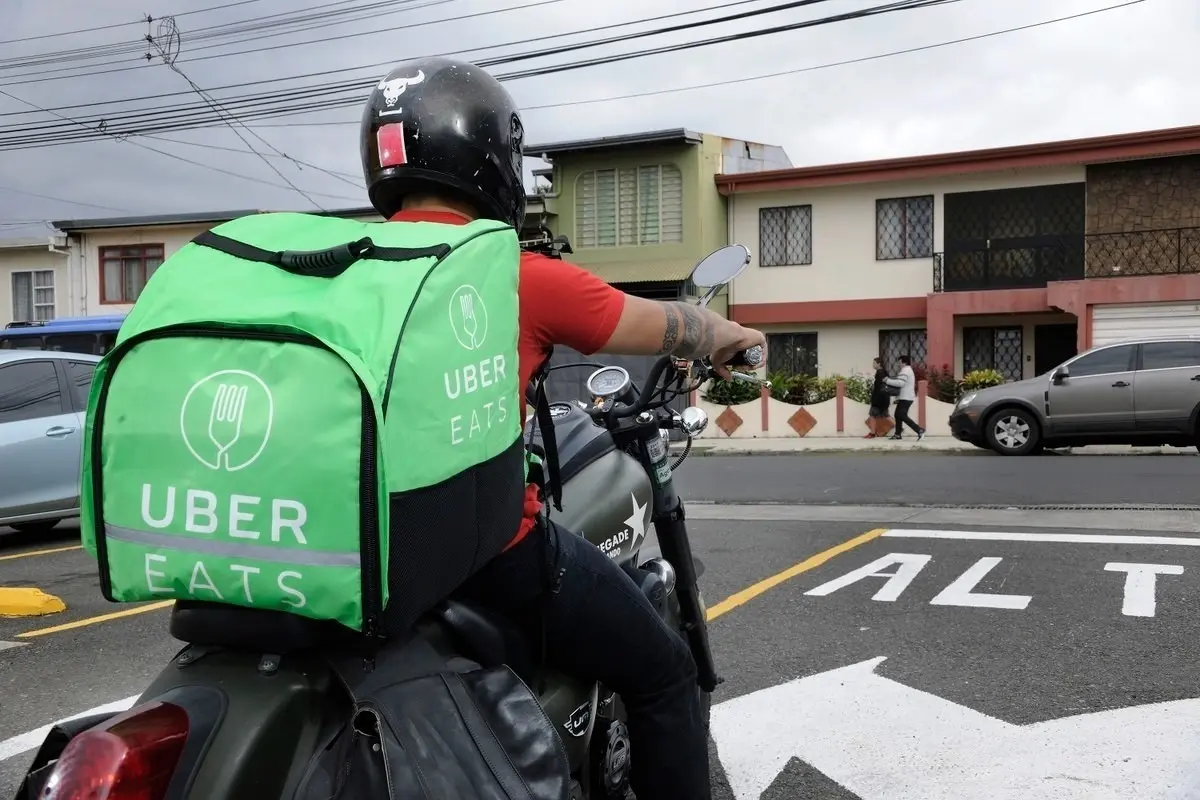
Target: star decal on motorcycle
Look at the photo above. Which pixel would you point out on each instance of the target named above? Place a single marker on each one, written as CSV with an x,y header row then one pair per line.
x,y
636,523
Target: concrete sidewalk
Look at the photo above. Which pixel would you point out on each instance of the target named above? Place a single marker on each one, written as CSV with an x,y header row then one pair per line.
x,y
928,444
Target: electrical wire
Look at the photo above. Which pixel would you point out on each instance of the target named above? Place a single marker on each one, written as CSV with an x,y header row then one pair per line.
x,y
121,24
15,190
358,82
24,136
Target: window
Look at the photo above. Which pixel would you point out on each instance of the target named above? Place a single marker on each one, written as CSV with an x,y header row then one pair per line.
x,y
792,353
1169,355
893,344
1103,362
71,342
784,236
629,207
1001,349
79,373
904,228
124,271
28,390
33,295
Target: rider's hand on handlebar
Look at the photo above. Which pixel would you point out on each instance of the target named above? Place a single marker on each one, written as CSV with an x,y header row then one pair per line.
x,y
734,339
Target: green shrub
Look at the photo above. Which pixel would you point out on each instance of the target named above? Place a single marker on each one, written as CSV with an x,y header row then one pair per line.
x,y
731,393
981,379
858,388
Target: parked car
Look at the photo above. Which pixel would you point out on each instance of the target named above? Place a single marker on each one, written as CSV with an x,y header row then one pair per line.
x,y
73,334
43,401
1137,392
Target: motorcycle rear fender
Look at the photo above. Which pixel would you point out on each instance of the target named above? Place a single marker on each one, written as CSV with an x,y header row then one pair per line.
x,y
269,726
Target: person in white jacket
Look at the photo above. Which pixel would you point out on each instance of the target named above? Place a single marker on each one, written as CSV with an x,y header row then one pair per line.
x,y
906,382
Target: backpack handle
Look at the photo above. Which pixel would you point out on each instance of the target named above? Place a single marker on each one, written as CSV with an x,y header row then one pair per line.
x,y
328,263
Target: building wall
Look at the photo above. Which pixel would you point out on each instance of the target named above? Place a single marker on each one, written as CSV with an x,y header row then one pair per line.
x,y
35,258
844,265
1136,209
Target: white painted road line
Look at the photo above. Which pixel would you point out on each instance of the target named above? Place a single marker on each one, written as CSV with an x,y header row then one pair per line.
x,y
882,739
9,645
33,739
1042,538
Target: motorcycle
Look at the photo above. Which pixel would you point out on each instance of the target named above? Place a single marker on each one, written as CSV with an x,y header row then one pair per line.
x,y
243,707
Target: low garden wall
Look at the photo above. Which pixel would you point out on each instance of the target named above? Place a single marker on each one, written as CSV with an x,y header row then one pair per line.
x,y
767,417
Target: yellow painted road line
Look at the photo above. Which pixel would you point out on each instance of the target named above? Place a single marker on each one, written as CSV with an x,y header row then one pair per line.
x,y
83,623
751,592
723,607
33,553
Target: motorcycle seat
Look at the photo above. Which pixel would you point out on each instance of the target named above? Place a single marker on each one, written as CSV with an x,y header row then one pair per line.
x,y
486,636
251,629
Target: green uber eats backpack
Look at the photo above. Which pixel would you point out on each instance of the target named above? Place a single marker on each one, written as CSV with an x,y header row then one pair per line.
x,y
314,415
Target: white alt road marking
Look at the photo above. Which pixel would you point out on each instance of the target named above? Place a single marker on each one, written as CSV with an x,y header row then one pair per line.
x,y
1042,538
1139,585
881,740
33,739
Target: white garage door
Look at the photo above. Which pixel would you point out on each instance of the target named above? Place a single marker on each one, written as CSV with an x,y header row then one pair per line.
x,y
1113,323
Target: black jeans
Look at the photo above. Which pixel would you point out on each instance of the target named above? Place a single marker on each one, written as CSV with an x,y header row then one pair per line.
x,y
902,418
600,626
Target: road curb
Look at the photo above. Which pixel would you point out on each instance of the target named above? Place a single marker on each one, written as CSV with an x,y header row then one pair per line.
x,y
26,601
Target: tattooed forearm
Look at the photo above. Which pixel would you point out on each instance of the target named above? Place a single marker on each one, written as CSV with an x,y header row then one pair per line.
x,y
690,331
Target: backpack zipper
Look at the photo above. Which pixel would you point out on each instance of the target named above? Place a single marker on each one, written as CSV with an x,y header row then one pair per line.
x,y
372,578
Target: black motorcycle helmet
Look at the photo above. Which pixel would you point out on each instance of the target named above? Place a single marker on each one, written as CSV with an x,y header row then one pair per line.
x,y
447,127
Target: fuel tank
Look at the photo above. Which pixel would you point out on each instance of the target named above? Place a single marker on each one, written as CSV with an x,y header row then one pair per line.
x,y
606,493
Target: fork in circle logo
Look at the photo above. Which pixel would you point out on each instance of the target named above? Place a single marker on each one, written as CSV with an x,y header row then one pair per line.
x,y
226,419
468,317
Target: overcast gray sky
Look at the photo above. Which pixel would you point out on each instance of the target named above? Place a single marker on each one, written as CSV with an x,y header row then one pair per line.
x,y
1129,69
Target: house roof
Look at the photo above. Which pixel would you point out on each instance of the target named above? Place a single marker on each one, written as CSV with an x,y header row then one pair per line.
x,y
189,218
1093,150
669,136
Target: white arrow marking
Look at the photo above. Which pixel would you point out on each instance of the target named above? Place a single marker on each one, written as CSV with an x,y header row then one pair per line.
x,y
883,740
10,645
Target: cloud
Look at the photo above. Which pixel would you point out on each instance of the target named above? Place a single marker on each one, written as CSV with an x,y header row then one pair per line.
x,y
1125,70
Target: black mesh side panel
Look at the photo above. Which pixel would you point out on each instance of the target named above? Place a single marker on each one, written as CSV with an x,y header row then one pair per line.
x,y
442,534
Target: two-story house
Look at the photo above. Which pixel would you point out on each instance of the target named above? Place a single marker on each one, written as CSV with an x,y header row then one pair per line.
x,y
33,283
1010,258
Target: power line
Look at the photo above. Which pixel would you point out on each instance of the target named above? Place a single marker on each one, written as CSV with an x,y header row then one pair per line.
x,y
355,180
15,190
120,24
251,107
358,83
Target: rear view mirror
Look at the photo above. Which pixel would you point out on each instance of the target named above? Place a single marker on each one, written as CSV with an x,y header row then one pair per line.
x,y
721,266
1061,374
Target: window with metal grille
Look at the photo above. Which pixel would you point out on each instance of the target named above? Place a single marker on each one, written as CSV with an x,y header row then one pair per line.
x,y
124,271
893,344
629,206
904,228
785,236
1001,349
792,353
33,295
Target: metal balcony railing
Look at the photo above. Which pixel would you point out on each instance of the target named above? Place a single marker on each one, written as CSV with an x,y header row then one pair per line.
x,y
1164,251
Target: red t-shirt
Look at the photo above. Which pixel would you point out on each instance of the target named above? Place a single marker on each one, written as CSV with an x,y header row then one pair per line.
x,y
560,303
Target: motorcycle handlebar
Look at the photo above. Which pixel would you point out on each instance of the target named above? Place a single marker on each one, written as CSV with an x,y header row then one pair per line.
x,y
750,357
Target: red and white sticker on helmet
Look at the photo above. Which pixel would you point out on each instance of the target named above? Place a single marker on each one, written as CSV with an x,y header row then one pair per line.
x,y
390,139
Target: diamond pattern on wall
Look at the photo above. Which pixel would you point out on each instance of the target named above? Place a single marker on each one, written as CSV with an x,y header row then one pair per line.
x,y
729,421
802,422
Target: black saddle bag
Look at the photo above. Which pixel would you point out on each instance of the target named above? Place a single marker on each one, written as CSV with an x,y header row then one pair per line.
x,y
423,728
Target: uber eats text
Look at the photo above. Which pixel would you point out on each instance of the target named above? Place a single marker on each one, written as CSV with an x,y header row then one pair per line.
x,y
485,383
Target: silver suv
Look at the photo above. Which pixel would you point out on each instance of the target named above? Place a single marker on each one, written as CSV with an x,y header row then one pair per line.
x,y
1137,392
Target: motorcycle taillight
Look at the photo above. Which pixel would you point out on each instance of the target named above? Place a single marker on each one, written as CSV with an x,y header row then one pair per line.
x,y
131,757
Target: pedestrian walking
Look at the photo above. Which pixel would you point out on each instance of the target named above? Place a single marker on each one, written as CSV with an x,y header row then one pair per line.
x,y
878,421
906,383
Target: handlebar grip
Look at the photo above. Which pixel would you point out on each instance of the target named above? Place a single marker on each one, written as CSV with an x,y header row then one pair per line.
x,y
750,357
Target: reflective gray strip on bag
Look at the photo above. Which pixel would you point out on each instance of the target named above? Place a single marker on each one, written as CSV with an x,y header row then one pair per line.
x,y
260,552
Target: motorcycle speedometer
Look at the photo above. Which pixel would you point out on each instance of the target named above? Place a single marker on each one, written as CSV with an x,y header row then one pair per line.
x,y
608,382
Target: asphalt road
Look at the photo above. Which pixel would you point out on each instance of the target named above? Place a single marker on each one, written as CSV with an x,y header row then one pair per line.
x,y
975,697
937,478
